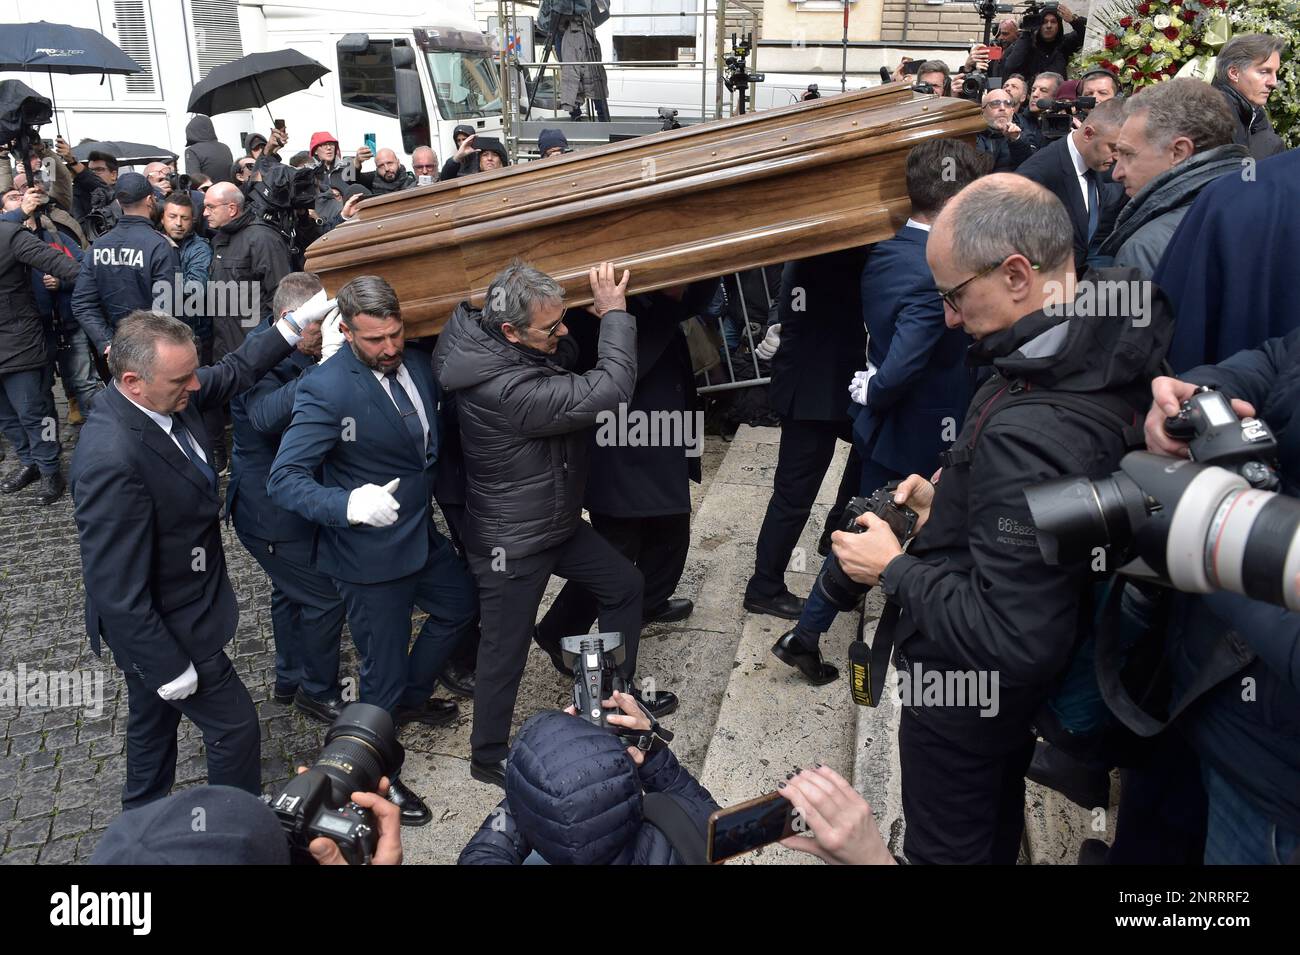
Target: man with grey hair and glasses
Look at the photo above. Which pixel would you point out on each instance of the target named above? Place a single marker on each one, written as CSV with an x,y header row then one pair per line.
x,y
525,423
359,458
148,512
1246,73
972,601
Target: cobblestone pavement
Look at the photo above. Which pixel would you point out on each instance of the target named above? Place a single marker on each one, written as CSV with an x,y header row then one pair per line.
x,y
61,769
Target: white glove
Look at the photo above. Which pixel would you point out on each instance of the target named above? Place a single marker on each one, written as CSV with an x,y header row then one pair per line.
x,y
770,343
313,310
331,336
858,386
374,505
184,685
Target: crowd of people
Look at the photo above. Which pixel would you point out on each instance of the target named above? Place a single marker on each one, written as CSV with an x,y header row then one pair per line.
x,y
193,346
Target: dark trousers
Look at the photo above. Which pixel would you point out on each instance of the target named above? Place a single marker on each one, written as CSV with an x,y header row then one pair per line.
x,y
656,545
306,616
509,592
465,655
27,417
379,616
960,806
805,453
77,367
224,713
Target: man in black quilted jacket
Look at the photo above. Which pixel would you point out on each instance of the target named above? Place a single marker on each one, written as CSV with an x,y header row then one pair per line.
x,y
524,419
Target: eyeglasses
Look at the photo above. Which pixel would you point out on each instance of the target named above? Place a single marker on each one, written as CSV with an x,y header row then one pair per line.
x,y
555,329
952,296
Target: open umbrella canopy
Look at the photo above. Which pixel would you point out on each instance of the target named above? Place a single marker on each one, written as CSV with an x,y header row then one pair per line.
x,y
253,81
128,154
60,48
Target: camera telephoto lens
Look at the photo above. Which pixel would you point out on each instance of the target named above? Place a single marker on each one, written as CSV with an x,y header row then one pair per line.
x,y
360,748
1075,514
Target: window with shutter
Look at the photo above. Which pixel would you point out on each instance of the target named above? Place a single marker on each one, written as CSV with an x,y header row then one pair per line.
x,y
217,39
132,25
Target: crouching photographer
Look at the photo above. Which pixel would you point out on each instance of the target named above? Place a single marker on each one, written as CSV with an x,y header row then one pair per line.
x,y
1246,728
974,610
333,813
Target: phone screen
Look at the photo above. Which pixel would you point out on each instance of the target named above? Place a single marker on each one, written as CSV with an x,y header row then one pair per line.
x,y
995,52
743,828
370,141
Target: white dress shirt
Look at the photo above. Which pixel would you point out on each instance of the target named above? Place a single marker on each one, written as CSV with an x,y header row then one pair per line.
x,y
923,226
408,385
164,421
1080,169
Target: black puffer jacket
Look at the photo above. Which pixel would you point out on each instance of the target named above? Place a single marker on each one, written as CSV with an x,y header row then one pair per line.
x,y
22,331
523,423
574,796
974,590
203,153
249,251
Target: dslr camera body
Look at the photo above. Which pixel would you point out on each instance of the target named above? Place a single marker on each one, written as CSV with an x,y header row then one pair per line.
x,y
595,660
360,749
1214,522
840,591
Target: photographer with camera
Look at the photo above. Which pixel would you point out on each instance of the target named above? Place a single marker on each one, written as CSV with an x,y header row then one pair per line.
x,y
1044,46
973,597
576,794
1246,727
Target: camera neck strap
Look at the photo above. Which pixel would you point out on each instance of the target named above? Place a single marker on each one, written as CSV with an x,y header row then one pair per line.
x,y
868,665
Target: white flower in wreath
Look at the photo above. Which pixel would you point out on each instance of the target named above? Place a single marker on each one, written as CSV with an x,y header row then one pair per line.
x,y
1162,22
1133,40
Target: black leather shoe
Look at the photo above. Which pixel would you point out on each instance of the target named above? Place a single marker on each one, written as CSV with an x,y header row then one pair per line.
x,y
1093,852
430,713
282,695
19,478
670,611
660,703
327,710
51,488
491,773
786,605
414,811
458,681
808,662
1083,784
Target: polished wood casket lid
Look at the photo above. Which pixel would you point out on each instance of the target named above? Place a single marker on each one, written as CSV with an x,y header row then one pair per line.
x,y
671,207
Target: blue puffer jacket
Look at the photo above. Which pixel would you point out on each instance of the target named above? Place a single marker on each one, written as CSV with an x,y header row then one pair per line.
x,y
573,795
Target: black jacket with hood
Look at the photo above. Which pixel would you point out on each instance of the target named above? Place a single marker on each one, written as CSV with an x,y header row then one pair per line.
x,y
974,591
204,153
524,422
249,251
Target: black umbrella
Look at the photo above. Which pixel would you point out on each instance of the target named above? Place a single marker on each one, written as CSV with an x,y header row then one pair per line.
x,y
128,154
254,80
60,48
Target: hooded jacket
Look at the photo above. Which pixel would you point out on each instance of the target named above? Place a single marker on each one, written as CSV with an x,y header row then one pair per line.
x,y
524,423
203,153
574,796
1147,223
1031,54
1254,128
975,593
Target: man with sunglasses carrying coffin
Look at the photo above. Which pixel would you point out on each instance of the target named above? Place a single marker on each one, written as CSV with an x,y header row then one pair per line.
x,y
973,596
525,420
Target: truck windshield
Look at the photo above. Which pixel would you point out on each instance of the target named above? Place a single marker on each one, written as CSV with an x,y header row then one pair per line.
x,y
464,83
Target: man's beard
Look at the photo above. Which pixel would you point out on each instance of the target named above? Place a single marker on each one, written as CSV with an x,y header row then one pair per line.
x,y
368,362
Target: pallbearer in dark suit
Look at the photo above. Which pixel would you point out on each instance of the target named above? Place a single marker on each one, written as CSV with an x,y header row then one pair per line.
x,y
148,515
1076,169
912,398
359,458
306,609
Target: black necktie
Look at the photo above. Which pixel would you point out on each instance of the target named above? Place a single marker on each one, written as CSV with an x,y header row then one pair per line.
x,y
1094,213
407,410
182,436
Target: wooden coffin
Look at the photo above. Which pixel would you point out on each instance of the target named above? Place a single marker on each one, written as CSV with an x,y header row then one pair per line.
x,y
672,207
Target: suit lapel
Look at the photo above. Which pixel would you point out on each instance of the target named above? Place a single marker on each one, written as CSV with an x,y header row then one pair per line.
x,y
155,439
377,394
1078,211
